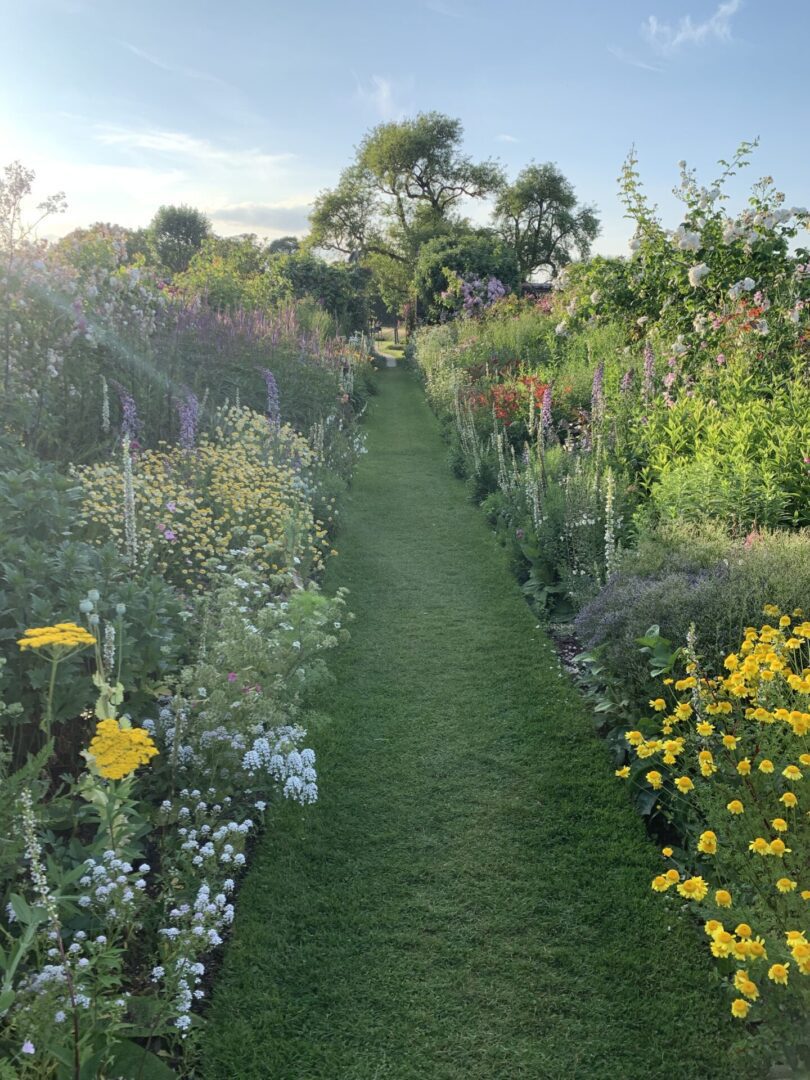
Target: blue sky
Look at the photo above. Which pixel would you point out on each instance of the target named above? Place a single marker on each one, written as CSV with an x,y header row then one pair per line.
x,y
247,109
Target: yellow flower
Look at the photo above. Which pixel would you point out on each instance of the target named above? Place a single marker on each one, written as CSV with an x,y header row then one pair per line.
x,y
655,779
673,876
735,807
623,773
731,662
722,942
744,767
785,885
730,742
743,930
745,985
711,926
704,728
58,639
779,824
660,883
791,772
634,737
777,847
759,845
722,898
778,973
684,784
707,842
805,894
658,704
740,1008
694,888
666,852
116,751
789,799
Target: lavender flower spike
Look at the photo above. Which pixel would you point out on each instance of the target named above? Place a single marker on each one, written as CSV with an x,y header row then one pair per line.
x,y
273,402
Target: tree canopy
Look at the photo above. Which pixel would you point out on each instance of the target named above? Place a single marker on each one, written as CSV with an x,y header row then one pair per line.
x,y
176,233
539,217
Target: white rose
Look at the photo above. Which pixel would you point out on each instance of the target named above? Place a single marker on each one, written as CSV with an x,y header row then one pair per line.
x,y
697,273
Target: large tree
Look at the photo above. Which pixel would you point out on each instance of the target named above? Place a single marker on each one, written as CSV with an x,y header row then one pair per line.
x,y
538,215
177,233
405,187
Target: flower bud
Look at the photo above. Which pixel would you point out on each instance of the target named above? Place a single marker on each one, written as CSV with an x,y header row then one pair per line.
x,y
94,595
120,609
93,620
86,606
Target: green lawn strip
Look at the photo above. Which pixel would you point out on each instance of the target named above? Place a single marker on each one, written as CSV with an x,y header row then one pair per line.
x,y
470,897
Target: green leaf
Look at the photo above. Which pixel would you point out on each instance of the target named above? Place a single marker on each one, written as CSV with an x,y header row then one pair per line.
x,y
135,1061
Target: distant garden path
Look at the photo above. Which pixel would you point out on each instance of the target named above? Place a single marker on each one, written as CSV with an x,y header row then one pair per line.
x,y
469,899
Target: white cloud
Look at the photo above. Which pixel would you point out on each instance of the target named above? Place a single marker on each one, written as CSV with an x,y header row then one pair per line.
x,y
506,138
180,146
173,69
281,218
667,38
633,61
378,95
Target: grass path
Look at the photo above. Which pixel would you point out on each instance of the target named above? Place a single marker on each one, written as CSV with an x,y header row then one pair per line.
x,y
470,899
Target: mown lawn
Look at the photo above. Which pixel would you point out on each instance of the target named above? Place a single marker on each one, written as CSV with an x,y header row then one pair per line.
x,y
470,898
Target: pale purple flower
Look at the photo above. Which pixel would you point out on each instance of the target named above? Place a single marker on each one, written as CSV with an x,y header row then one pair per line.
x,y
130,424
545,412
627,381
28,1047
273,403
189,411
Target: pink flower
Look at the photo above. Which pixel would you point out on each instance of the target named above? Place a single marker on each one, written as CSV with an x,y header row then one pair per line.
x,y
231,676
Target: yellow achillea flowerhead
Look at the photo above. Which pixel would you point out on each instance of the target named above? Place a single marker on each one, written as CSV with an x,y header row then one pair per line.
x,y
694,888
778,973
116,752
65,635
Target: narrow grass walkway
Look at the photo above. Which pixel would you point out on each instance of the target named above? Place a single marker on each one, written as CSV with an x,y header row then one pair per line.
x,y
470,898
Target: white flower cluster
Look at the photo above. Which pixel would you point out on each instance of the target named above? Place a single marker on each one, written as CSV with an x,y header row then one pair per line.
x,y
278,755
112,888
194,929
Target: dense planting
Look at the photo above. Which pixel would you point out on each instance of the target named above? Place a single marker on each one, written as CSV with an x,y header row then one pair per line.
x,y
170,484
639,440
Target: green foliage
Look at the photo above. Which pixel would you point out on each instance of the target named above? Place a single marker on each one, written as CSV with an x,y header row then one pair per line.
x,y
479,254
538,216
176,233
